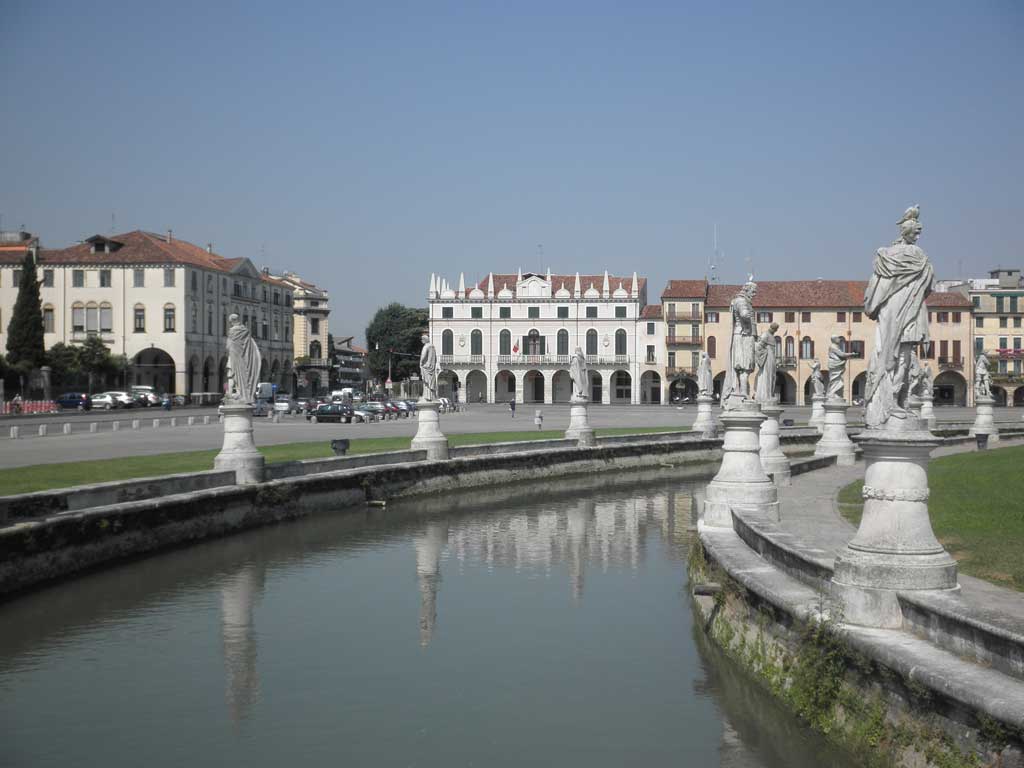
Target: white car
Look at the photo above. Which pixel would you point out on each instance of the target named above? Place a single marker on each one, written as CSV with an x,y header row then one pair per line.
x,y
124,400
285,404
104,400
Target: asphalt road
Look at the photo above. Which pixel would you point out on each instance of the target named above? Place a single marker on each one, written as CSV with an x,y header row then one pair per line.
x,y
106,444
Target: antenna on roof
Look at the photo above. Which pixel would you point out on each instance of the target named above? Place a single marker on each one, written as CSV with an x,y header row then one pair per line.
x,y
113,219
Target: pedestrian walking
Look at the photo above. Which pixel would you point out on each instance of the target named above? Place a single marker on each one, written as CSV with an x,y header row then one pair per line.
x,y
538,418
512,407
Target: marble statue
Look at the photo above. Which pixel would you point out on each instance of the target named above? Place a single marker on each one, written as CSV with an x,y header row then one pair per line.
x,y
579,375
982,379
816,383
916,386
766,381
927,381
244,359
428,368
836,369
901,280
705,379
741,348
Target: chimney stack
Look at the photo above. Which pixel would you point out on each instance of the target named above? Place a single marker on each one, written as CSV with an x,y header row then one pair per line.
x,y
209,247
170,235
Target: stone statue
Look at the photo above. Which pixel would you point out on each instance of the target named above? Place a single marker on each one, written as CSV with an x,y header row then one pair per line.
x,y
836,369
741,348
816,383
766,383
927,381
982,379
705,379
244,359
916,386
579,375
428,368
900,282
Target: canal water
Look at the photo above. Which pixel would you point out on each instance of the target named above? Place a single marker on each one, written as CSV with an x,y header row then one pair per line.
x,y
548,625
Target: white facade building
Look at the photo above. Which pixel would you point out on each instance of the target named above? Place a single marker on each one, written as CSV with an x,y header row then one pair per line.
x,y
511,336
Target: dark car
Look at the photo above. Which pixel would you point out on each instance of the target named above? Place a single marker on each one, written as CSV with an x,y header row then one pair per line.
x,y
331,412
78,401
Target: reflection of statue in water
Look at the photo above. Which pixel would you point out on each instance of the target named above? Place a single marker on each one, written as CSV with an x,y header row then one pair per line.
x,y
244,361
705,379
579,375
428,368
816,383
982,379
741,348
238,596
765,384
901,281
836,369
429,547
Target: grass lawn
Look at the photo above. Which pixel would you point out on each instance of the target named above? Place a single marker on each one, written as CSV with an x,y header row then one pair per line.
x,y
42,477
977,511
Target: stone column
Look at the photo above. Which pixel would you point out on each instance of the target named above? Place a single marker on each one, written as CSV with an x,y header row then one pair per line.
x,y
984,424
774,461
817,419
895,548
239,450
429,437
834,441
705,422
579,424
741,480
928,410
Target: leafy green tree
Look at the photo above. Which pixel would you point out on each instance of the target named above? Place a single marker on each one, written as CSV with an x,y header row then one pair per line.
x,y
25,350
395,332
63,359
95,360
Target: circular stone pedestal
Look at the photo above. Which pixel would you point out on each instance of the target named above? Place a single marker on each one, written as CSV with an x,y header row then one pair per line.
x,y
579,424
705,423
741,480
927,411
773,460
817,419
834,441
239,449
984,423
429,437
895,547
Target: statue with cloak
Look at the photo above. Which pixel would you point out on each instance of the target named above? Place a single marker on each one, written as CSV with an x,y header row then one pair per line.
x,y
244,359
741,347
836,369
580,376
982,379
428,368
895,299
766,381
816,383
705,379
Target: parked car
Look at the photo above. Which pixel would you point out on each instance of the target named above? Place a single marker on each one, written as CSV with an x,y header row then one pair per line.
x,y
145,395
403,406
376,408
332,412
104,400
123,399
285,404
77,401
361,414
259,408
180,400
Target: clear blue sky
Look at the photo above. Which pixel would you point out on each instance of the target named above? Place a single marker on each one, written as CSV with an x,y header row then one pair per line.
x,y
366,145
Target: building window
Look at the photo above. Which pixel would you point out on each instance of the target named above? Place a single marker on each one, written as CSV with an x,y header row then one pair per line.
x,y
265,296
979,345
710,317
195,281
447,313
1016,322
957,317
857,348
999,304
314,326
92,318
287,331
650,354
16,278
928,351
287,299
1004,322
764,317
858,317
504,313
533,312
533,343
650,329
840,317
807,348
620,313
562,344
712,347
277,298
505,343
104,278
976,300
138,278
671,359
48,278
805,317
277,327
790,347
791,317
979,322
168,277
563,313
591,342
106,318
47,319
476,343
169,319
943,317
78,278
592,312
447,342
264,328
78,318
1013,304
477,313
620,342
140,319
209,321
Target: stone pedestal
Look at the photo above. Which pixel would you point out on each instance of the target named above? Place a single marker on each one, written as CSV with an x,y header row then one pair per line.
x,y
984,423
895,548
817,419
741,480
705,423
834,441
429,437
239,450
927,411
579,424
773,460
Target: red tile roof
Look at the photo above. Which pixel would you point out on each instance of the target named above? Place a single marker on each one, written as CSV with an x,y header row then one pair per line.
x,y
566,281
949,299
685,289
797,294
651,312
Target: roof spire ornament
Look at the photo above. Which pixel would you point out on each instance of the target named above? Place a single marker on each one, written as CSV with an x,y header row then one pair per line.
x,y
432,289
606,288
490,285
576,290
462,285
634,288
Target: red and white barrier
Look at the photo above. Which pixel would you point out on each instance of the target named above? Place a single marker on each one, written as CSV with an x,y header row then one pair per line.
x,y
30,406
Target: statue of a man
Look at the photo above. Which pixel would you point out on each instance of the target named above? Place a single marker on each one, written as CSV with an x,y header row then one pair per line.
x,y
927,380
982,379
428,368
836,368
244,359
705,379
766,383
579,375
901,281
741,348
816,383
916,386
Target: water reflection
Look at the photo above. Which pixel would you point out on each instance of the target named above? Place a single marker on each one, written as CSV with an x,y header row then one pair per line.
x,y
238,635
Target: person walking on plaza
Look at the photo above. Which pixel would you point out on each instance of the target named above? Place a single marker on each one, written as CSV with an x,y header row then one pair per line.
x,y
512,407
538,418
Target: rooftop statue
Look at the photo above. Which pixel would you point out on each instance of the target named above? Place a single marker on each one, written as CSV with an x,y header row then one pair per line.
x,y
243,368
982,379
579,375
900,282
816,382
766,382
836,369
428,368
705,379
741,349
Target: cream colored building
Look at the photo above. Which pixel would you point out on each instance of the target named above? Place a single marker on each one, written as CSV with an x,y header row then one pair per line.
x,y
311,316
161,302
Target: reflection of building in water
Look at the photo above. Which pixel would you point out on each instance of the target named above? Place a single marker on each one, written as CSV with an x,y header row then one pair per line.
x,y
602,533
238,633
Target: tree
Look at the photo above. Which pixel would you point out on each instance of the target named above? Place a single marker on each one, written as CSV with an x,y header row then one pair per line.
x,y
25,349
64,360
395,328
95,360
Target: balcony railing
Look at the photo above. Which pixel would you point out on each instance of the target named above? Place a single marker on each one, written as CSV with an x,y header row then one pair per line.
x,y
678,340
462,359
951,363
561,360
1005,353
672,371
786,363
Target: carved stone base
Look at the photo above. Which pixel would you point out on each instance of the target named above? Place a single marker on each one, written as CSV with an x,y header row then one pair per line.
x,y
817,419
984,422
579,424
834,440
705,423
774,461
239,449
894,548
741,480
928,411
429,437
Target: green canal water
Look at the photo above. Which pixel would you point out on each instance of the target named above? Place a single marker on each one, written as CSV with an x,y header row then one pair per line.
x,y
548,625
